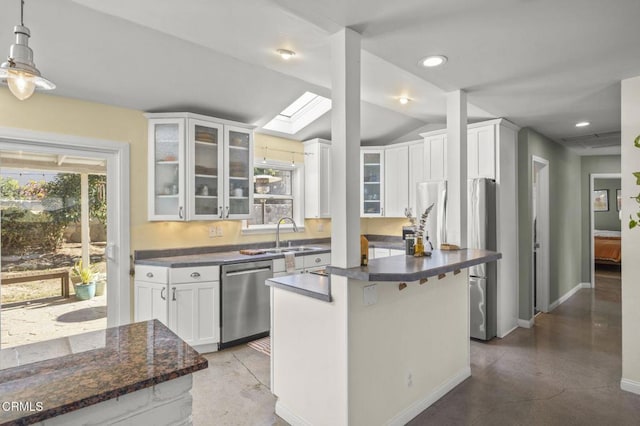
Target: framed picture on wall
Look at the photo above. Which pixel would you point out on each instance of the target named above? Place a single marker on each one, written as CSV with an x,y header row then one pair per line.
x,y
601,200
619,199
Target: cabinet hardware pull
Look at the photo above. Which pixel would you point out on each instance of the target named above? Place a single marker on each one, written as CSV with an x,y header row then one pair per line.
x,y
381,211
149,275
195,275
227,212
180,213
162,293
220,212
318,260
174,294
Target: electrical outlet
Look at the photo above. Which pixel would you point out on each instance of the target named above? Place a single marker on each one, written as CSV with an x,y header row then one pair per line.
x,y
370,295
219,232
320,226
212,232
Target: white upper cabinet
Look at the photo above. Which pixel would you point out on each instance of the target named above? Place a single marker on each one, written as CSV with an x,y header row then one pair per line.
x,y
166,170
200,168
435,156
372,182
481,152
317,178
416,172
396,181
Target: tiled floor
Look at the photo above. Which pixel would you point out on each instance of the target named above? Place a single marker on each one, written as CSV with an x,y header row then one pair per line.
x,y
564,371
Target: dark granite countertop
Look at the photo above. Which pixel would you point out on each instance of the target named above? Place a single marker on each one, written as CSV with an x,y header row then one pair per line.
x,y
120,360
312,285
409,268
224,257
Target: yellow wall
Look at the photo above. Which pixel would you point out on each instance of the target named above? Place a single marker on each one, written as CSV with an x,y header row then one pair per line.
x,y
49,113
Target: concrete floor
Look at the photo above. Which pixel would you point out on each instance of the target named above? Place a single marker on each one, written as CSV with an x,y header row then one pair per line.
x,y
564,371
44,319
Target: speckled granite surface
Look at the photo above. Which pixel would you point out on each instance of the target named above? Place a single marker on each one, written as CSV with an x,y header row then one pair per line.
x,y
312,285
133,357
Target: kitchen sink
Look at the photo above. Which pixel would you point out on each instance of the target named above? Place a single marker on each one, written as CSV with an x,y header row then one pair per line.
x,y
290,249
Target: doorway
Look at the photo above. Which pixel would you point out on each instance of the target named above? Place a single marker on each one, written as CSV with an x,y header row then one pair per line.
x,y
115,157
605,219
540,234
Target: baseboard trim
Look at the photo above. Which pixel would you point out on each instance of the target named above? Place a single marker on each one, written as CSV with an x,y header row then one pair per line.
x,y
289,416
503,335
630,386
526,323
568,295
406,415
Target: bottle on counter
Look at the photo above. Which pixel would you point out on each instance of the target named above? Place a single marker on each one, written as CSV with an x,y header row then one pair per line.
x,y
410,241
364,251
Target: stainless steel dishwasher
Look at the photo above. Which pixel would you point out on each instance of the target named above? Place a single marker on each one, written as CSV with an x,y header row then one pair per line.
x,y
245,303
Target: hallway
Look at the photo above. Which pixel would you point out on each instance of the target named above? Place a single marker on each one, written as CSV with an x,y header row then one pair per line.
x,y
564,371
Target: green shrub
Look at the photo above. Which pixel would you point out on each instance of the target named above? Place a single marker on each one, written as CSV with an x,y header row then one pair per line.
x,y
24,231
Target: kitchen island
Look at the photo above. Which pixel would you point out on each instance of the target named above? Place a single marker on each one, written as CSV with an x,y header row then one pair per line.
x,y
136,374
390,340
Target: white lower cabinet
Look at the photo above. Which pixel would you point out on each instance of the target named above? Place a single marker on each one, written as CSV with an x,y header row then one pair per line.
x,y
184,299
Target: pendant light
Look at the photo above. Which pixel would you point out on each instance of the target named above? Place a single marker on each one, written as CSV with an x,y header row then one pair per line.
x,y
19,72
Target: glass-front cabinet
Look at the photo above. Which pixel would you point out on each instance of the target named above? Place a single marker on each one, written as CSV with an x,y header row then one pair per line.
x,y
206,185
238,172
372,185
166,170
200,167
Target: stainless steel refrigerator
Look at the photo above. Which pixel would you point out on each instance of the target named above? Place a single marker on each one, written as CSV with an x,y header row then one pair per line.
x,y
433,192
482,278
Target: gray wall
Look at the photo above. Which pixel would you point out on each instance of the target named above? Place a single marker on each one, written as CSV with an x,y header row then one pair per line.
x,y
589,165
610,219
565,212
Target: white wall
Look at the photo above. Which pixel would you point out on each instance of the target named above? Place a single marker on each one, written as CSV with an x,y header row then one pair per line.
x,y
630,157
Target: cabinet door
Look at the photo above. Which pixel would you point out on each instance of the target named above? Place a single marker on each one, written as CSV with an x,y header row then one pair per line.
x,y
206,148
416,173
317,179
238,161
324,189
486,152
396,181
481,152
193,312
436,157
151,301
166,169
372,180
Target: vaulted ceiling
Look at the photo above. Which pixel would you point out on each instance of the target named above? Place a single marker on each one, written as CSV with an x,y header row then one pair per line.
x,y
539,63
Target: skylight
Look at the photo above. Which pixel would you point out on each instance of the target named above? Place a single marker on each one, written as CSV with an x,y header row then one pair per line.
x,y
302,112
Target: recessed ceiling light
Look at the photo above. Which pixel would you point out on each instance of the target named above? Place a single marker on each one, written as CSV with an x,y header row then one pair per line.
x,y
286,54
403,100
582,124
433,61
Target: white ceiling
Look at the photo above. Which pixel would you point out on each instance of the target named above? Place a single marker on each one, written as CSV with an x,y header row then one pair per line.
x,y
540,63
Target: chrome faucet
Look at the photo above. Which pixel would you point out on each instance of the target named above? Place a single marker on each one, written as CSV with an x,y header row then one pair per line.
x,y
284,218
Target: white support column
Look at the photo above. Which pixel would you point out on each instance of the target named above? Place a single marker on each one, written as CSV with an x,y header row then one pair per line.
x,y
457,168
345,148
84,218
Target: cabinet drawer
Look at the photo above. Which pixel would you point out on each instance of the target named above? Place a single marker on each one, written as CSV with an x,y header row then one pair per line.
x,y
151,274
194,274
279,266
317,260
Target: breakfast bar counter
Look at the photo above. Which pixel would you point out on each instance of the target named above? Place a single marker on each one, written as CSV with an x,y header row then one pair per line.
x,y
392,339
137,373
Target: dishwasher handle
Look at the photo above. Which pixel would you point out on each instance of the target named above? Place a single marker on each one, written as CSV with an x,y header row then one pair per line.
x,y
247,271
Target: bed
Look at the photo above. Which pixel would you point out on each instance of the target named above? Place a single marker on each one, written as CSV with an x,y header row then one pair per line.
x,y
607,248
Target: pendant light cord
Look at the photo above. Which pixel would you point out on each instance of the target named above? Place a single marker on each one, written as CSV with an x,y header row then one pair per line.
x,y
22,12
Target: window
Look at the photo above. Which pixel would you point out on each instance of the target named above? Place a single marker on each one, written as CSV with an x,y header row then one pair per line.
x,y
276,193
